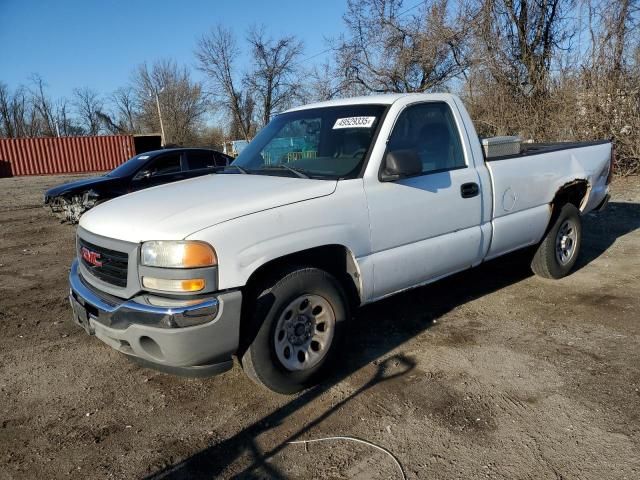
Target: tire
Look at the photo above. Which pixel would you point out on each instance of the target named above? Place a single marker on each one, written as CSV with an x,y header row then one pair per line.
x,y
300,310
557,253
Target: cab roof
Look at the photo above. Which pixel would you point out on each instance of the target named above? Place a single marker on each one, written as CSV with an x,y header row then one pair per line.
x,y
384,99
151,153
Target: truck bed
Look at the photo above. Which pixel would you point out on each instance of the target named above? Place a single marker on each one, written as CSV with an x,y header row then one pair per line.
x,y
525,186
529,149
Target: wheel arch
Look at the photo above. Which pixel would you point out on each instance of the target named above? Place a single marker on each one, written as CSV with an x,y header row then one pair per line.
x,y
336,259
574,192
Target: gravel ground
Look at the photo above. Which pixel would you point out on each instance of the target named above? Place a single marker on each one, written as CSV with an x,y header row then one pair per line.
x,y
493,373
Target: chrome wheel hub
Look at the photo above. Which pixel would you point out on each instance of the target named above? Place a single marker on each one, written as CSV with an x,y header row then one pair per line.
x,y
566,240
304,332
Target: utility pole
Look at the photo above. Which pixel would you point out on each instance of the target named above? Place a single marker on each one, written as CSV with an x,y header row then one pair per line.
x,y
162,138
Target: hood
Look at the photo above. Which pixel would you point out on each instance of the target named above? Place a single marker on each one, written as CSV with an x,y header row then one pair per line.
x,y
79,186
176,210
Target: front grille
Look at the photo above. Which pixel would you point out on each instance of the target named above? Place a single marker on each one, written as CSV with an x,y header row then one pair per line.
x,y
113,268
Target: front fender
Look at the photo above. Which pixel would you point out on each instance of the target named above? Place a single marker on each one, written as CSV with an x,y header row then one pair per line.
x,y
245,244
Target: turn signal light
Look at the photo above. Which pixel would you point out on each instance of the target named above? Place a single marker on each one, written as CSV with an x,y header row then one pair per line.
x,y
167,285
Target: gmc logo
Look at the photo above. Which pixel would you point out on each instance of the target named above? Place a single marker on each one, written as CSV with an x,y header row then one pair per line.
x,y
91,257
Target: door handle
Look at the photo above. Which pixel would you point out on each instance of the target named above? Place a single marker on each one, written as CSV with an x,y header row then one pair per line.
x,y
469,190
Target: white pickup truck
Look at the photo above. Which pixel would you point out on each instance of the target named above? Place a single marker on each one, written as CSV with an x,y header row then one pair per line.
x,y
332,205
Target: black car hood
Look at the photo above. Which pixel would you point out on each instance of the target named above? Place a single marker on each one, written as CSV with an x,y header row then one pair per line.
x,y
80,186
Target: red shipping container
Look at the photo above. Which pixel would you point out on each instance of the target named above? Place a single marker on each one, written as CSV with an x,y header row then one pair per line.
x,y
49,155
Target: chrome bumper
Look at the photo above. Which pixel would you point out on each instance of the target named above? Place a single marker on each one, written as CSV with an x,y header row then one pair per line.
x,y
150,334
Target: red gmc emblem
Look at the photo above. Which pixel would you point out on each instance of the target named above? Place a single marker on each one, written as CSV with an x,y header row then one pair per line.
x,y
91,257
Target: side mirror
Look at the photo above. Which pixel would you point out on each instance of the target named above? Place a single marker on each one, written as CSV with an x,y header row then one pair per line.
x,y
143,174
399,164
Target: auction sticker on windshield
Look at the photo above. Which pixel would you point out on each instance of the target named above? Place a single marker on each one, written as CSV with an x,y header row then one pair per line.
x,y
354,122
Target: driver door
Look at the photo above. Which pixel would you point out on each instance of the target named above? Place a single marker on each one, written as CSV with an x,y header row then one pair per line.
x,y
426,226
164,168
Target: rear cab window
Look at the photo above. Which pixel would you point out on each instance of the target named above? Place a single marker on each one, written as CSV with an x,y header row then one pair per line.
x,y
201,159
221,159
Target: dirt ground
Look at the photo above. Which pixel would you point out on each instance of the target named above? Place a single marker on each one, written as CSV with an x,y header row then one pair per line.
x,y
493,373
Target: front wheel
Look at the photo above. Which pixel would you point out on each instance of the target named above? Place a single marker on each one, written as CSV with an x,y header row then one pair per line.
x,y
557,253
298,319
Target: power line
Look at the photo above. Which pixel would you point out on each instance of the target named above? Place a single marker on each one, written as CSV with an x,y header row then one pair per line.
x,y
410,8
314,56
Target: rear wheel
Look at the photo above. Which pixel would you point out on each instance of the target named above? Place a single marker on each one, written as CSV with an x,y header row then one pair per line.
x,y
557,253
298,320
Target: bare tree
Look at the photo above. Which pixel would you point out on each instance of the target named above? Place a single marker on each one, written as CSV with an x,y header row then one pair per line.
x,y
520,39
510,87
65,124
43,116
323,83
7,125
211,137
123,115
529,79
88,105
608,84
613,28
216,53
124,103
182,104
326,81
274,80
243,126
389,48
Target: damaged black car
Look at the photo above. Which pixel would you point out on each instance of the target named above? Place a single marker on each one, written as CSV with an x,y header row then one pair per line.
x,y
70,200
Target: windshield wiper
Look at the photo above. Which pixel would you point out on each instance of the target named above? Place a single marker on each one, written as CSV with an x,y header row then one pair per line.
x,y
300,173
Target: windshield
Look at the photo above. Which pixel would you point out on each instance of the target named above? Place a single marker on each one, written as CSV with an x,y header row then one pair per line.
x,y
129,167
329,142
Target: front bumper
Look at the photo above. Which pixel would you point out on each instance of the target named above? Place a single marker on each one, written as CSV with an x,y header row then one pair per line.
x,y
142,331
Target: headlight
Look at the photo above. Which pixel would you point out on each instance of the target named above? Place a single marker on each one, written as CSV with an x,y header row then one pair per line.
x,y
178,254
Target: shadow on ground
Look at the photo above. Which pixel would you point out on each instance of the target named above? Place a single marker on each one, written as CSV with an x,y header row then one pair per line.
x,y
601,230
380,328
